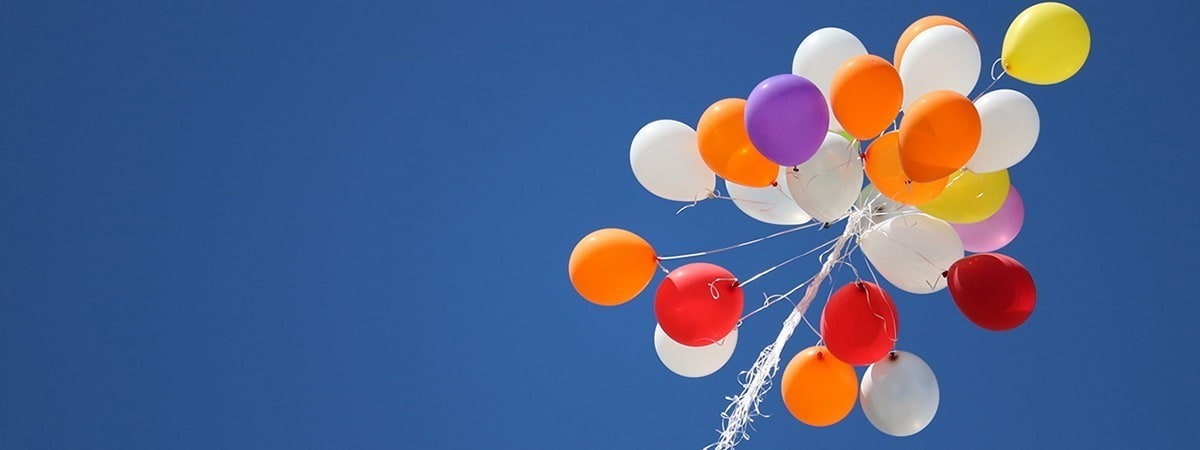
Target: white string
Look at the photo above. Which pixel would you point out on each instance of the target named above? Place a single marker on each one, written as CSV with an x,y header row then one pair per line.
x,y
772,268
743,408
743,244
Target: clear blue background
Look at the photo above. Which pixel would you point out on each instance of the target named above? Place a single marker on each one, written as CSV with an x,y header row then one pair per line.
x,y
320,225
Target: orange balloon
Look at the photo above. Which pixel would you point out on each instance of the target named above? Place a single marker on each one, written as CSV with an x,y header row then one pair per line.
x,y
939,134
882,164
726,149
920,25
866,95
819,389
611,266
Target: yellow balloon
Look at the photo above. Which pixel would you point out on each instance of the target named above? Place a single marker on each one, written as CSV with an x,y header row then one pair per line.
x,y
1046,44
969,197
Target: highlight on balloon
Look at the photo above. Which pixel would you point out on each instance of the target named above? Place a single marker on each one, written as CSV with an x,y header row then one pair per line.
x,y
939,156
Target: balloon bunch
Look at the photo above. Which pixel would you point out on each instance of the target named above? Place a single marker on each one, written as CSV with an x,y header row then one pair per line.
x,y
792,152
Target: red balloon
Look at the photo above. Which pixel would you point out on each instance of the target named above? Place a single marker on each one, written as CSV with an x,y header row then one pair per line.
x,y
698,304
859,324
994,291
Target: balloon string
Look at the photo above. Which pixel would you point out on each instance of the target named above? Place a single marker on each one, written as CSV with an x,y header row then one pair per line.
x,y
771,300
756,380
743,244
995,78
772,268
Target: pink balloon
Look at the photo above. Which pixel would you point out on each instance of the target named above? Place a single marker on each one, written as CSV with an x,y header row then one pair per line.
x,y
997,231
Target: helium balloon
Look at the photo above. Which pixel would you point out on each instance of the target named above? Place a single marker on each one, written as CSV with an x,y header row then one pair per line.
x,y
827,185
693,362
819,56
726,149
865,95
611,266
996,231
944,57
698,304
939,135
1009,129
900,394
666,161
1046,44
882,165
970,197
859,323
994,291
818,389
917,27
912,251
787,119
772,204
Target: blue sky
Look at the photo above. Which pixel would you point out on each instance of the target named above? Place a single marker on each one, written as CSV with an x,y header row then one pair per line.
x,y
298,225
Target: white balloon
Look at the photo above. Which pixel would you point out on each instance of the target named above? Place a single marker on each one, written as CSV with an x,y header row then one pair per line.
x,y
827,184
771,204
666,161
900,395
693,362
912,251
1010,129
944,57
819,56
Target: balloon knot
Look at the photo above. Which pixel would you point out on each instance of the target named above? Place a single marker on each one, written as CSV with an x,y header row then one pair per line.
x,y
826,225
774,184
945,273
795,168
892,355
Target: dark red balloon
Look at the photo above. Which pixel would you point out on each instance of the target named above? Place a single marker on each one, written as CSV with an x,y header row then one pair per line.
x,y
994,291
698,304
859,324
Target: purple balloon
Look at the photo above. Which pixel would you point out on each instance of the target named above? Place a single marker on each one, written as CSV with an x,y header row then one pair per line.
x,y
997,231
787,119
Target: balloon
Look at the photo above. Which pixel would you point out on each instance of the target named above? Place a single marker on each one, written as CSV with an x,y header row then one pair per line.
x,y
939,134
917,27
819,56
912,251
818,389
611,266
900,394
693,362
698,304
996,231
944,57
1046,44
827,185
859,323
666,161
882,165
994,291
1009,130
787,119
865,95
726,148
970,197
772,204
